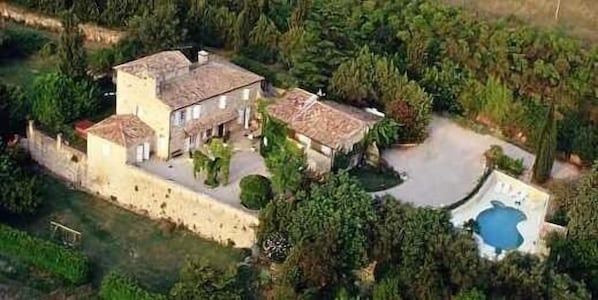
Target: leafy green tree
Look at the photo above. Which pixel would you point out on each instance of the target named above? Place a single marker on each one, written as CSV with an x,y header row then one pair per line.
x,y
72,60
287,166
19,190
584,207
263,40
200,281
58,99
546,149
329,230
387,289
385,133
215,160
158,28
14,107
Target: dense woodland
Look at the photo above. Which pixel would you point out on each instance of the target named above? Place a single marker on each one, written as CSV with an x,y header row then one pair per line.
x,y
407,58
501,73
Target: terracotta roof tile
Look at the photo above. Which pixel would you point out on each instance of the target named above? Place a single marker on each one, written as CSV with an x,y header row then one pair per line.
x,y
332,124
222,116
125,130
156,65
204,82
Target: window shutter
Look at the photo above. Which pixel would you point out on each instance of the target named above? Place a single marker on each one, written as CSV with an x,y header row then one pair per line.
x,y
196,111
188,114
246,94
139,153
222,102
177,118
241,118
146,150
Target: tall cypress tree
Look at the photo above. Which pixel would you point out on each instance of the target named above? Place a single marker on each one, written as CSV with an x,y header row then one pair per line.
x,y
546,149
71,52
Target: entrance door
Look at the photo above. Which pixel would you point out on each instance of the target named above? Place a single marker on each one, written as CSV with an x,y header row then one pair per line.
x,y
221,130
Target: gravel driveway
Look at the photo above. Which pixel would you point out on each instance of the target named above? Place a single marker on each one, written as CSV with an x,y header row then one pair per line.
x,y
447,165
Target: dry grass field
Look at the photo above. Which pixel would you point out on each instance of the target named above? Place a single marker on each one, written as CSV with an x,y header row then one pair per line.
x,y
576,17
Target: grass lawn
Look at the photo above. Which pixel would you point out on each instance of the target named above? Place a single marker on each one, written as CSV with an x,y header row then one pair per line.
x,y
21,72
376,179
116,238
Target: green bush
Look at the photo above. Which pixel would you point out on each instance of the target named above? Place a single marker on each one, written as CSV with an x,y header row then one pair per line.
x,y
256,191
17,42
116,286
68,264
501,161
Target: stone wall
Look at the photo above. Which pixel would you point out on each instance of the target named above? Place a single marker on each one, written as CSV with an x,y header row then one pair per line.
x,y
92,32
62,160
142,192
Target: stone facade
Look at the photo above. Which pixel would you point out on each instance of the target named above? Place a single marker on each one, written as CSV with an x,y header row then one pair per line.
x,y
104,172
92,32
234,100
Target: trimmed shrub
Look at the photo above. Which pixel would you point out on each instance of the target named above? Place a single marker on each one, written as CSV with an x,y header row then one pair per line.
x,y
501,161
120,287
256,191
68,264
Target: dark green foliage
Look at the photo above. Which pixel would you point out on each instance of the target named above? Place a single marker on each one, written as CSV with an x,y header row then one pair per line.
x,y
497,158
66,263
19,187
263,40
59,99
158,28
584,207
287,165
72,60
546,149
375,179
14,107
387,289
256,191
385,133
200,281
116,286
16,42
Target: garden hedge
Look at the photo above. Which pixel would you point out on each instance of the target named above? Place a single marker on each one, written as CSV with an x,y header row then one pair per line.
x,y
68,264
256,191
116,286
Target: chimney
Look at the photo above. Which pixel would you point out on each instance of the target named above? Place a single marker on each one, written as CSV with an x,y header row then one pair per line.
x,y
202,57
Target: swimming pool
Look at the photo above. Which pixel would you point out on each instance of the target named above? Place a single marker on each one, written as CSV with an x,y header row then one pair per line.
x,y
498,226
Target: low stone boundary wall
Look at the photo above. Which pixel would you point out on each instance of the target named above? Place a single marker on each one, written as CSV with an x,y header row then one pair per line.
x,y
92,32
142,192
62,160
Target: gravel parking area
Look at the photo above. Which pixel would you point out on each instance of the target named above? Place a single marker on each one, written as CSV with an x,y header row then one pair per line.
x,y
448,164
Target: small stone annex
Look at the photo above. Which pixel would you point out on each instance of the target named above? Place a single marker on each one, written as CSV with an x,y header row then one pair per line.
x,y
321,128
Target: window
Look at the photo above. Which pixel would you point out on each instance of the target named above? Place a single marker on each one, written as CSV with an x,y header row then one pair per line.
x,y
241,118
196,111
222,102
140,153
183,117
178,118
246,94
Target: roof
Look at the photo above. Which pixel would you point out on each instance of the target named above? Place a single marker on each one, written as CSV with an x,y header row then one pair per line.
x,y
332,124
204,82
125,130
204,123
182,83
153,66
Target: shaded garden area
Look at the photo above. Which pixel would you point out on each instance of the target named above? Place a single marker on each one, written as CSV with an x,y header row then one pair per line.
x,y
150,251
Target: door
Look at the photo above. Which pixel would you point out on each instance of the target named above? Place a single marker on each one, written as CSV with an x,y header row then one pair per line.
x,y
139,153
221,130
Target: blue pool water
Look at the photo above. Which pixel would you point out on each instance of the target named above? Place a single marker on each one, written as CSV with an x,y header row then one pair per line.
x,y
498,226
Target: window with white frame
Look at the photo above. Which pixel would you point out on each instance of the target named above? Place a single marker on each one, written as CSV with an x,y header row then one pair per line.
x,y
196,111
178,118
246,94
222,102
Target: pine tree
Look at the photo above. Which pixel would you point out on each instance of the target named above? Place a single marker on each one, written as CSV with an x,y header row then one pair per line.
x,y
71,53
546,149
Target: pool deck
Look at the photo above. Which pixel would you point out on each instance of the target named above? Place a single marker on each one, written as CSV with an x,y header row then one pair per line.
x,y
534,207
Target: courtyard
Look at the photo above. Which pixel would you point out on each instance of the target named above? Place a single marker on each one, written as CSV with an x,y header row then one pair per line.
x,y
244,162
447,166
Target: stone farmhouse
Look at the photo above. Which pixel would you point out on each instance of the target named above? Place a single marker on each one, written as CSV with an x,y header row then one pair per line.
x,y
166,106
324,129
